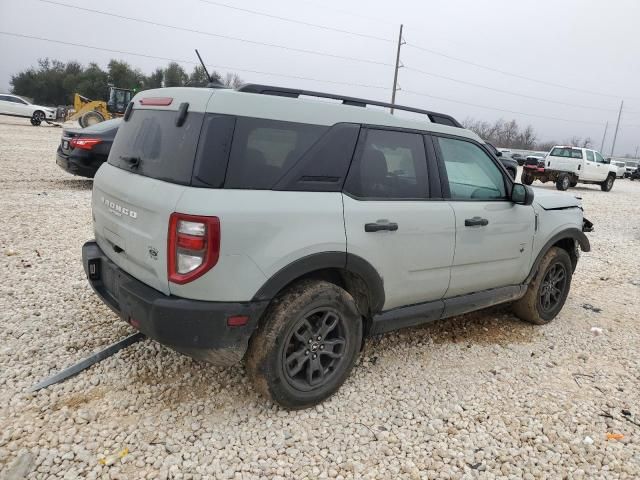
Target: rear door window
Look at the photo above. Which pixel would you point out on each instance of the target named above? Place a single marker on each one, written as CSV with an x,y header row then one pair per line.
x,y
590,156
151,144
264,150
576,153
391,165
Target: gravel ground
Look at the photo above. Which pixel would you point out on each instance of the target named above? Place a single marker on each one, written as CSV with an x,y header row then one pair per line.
x,y
478,396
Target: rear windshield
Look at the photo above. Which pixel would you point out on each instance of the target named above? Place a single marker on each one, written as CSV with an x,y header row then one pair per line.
x,y
151,144
566,152
103,126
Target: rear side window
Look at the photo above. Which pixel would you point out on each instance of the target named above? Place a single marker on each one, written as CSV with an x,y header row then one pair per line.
x,y
151,144
390,165
264,150
566,152
590,156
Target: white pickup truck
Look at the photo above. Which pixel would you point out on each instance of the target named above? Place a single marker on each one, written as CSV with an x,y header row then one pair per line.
x,y
567,166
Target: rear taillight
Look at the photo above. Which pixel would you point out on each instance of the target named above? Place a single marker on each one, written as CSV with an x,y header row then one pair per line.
x,y
84,143
193,246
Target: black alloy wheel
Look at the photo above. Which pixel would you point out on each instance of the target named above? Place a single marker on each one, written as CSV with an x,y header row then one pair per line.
x,y
553,287
315,349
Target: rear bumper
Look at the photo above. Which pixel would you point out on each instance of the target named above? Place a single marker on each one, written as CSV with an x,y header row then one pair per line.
x,y
196,328
77,166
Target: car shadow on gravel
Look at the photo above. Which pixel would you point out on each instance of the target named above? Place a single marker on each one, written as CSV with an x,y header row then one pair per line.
x,y
71,184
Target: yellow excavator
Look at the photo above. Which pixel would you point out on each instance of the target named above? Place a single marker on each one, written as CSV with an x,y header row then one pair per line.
x,y
89,112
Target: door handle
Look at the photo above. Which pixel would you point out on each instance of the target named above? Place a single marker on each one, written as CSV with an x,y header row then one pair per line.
x,y
476,222
380,226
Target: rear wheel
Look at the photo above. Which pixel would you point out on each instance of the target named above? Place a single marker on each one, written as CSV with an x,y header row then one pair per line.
x,y
306,345
526,178
37,118
549,289
90,118
607,185
563,182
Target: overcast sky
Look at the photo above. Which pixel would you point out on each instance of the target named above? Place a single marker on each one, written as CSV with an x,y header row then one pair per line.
x,y
589,45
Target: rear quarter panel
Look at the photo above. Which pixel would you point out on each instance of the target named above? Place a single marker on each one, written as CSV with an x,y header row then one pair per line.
x,y
262,231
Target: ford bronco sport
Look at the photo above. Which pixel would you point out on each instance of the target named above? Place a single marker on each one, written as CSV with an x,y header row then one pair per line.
x,y
263,223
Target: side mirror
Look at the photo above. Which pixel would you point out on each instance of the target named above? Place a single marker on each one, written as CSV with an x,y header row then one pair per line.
x,y
522,194
498,153
607,161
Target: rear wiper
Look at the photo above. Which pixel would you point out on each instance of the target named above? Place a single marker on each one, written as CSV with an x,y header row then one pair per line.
x,y
132,162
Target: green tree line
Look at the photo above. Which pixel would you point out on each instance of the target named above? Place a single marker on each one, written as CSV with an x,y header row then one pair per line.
x,y
54,82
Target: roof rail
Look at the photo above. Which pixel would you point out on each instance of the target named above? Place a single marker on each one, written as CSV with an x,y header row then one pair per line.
x,y
434,117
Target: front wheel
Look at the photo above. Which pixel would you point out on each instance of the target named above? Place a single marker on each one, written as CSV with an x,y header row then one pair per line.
x,y
549,289
90,118
607,185
306,345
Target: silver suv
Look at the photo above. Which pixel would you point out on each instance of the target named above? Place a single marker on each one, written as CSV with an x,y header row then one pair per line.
x,y
266,224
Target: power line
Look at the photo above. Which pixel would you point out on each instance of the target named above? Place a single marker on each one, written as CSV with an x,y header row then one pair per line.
x,y
291,20
464,82
486,107
169,59
503,72
227,37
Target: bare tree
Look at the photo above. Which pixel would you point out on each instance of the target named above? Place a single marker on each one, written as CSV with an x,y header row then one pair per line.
x,y
232,80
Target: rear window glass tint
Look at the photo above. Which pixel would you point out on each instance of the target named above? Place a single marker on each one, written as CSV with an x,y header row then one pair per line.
x,y
165,151
566,152
264,150
103,126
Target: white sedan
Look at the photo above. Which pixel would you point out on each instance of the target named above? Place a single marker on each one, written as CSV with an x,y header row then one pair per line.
x,y
16,106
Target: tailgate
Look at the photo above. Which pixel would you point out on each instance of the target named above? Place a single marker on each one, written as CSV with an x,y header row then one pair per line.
x,y
131,222
150,163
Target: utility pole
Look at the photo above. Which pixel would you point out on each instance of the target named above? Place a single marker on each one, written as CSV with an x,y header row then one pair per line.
x,y
395,73
636,155
603,137
615,135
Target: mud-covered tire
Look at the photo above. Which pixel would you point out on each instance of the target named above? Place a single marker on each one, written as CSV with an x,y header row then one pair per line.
x,y
285,353
607,185
531,308
90,118
563,182
526,178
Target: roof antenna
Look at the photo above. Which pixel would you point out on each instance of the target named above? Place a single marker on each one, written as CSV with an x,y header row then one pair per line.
x,y
212,83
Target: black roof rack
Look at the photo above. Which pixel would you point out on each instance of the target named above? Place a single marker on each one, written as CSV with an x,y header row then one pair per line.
x,y
435,117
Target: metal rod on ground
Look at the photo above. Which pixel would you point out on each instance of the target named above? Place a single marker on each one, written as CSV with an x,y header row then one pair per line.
x,y
615,135
603,137
87,362
395,73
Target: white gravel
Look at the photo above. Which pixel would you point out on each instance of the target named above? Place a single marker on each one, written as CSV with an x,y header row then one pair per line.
x,y
479,396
